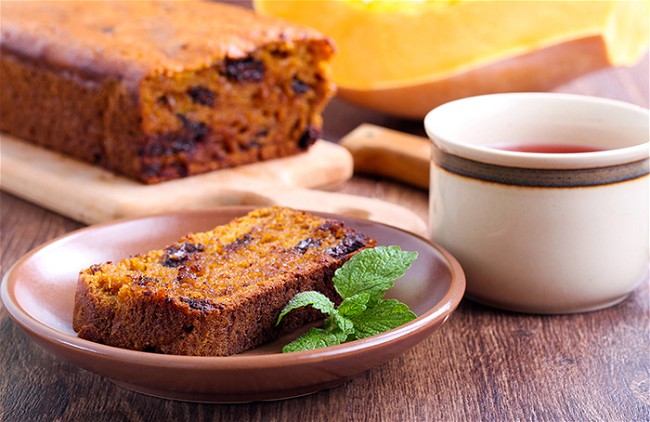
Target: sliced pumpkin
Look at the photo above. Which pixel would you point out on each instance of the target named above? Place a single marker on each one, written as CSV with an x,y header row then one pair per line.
x,y
385,45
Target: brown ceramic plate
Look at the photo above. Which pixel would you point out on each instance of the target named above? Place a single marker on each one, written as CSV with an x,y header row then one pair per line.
x,y
39,291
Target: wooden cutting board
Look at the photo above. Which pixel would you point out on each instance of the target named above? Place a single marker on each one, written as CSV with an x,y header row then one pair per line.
x,y
89,194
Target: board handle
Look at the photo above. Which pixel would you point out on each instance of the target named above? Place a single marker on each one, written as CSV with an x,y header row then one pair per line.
x,y
389,153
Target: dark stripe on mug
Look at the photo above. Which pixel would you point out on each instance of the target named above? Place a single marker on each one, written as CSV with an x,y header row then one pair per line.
x,y
551,178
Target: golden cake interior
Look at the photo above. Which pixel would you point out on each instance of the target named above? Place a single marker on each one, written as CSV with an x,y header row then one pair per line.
x,y
217,292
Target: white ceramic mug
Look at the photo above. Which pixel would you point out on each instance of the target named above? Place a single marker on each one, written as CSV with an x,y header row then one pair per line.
x,y
542,232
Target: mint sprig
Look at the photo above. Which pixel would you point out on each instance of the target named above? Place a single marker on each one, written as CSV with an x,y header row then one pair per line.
x,y
361,282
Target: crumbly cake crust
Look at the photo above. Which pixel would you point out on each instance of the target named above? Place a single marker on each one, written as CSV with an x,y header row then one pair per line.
x,y
219,292
159,90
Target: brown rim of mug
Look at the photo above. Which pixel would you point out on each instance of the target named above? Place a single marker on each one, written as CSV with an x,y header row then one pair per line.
x,y
543,178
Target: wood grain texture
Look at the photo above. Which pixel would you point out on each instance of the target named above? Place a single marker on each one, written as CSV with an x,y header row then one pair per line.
x,y
484,364
91,195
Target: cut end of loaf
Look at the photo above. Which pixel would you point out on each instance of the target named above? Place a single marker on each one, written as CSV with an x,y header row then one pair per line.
x,y
206,85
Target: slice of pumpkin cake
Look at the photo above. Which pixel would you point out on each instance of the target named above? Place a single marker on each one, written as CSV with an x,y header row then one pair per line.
x,y
218,292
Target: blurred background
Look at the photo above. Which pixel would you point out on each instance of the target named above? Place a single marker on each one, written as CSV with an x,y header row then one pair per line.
x,y
398,59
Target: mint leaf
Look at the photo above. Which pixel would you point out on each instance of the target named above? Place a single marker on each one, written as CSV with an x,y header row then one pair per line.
x,y
361,282
315,299
354,305
383,316
315,338
342,323
372,271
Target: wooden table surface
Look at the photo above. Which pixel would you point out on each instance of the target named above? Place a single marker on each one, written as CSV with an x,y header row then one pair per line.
x,y
484,364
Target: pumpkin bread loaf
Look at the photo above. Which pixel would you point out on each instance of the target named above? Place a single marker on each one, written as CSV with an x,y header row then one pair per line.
x,y
160,90
219,292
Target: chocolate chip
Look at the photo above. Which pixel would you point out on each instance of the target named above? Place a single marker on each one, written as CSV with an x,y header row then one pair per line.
x,y
298,86
168,144
176,255
194,129
181,169
97,157
202,95
308,138
280,54
185,274
150,170
305,244
244,70
250,145
351,242
329,225
238,243
171,143
203,305
95,268
143,280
